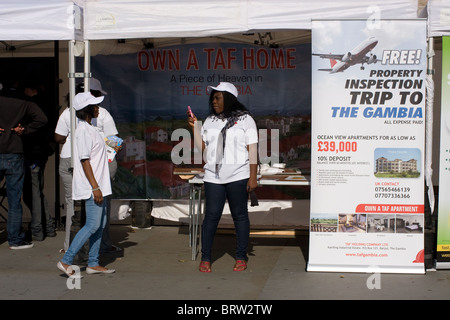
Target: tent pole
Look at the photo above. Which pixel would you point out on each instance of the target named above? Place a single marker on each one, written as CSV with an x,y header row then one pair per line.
x,y
429,124
87,65
71,93
56,110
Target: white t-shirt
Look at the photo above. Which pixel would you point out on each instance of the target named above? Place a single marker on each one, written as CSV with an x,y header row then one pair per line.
x,y
104,124
235,162
89,144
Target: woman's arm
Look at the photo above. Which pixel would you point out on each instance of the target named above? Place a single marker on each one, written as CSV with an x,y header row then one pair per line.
x,y
253,158
196,130
97,193
60,139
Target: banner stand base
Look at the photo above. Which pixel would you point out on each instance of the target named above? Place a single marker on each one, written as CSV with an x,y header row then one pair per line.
x,y
442,265
420,269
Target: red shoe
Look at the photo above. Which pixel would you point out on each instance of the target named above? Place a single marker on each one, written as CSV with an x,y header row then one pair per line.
x,y
240,265
205,266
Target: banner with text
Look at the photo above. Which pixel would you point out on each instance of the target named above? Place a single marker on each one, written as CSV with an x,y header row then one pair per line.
x,y
148,93
443,224
367,157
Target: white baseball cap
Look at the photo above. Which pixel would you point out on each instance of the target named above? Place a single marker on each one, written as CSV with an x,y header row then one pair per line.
x,y
224,86
83,99
95,84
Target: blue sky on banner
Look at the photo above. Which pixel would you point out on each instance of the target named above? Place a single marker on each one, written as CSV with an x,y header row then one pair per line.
x,y
162,82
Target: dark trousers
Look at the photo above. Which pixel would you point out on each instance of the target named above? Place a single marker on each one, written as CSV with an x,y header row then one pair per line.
x,y
215,197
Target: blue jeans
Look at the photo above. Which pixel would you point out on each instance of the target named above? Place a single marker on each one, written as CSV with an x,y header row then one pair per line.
x,y
92,230
34,198
12,167
215,197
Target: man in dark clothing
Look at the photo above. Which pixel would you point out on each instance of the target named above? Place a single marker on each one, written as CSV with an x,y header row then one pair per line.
x,y
38,146
17,117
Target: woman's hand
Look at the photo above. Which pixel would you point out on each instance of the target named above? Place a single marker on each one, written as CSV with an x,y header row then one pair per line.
x,y
98,196
252,184
196,128
191,120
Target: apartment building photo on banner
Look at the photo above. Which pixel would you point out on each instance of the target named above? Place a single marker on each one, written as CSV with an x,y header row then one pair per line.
x,y
367,146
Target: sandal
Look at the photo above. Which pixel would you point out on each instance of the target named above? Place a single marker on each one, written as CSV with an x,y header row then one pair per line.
x,y
205,266
240,265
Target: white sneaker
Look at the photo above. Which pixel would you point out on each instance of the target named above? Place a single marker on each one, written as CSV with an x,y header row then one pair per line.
x,y
23,245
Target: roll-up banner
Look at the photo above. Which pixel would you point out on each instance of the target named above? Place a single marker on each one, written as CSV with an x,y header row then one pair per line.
x,y
443,224
367,148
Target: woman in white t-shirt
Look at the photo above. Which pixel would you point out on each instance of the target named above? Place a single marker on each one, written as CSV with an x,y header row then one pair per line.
x,y
91,182
105,124
106,127
230,137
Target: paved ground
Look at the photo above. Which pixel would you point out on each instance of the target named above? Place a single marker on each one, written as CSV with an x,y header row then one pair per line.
x,y
156,264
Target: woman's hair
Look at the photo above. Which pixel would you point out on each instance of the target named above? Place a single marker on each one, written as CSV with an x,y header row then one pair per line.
x,y
86,111
230,103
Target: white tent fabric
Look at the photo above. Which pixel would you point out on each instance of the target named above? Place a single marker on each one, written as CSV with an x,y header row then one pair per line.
x,y
297,14
40,20
125,19
438,12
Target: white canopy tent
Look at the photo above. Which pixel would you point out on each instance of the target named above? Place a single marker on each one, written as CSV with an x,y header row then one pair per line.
x,y
32,22
161,22
40,20
121,19
92,25
172,20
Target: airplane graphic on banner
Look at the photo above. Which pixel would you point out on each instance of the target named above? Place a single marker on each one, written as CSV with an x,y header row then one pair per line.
x,y
341,62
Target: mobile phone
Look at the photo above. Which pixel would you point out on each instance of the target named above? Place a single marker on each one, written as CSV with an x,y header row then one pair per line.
x,y
190,112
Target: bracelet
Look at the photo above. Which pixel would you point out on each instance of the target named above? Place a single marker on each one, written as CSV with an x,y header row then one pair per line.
x,y
98,188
